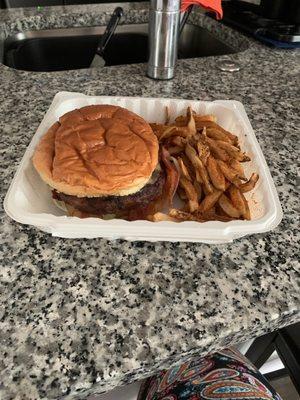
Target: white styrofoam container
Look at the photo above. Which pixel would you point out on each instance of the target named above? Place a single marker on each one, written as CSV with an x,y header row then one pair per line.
x,y
28,199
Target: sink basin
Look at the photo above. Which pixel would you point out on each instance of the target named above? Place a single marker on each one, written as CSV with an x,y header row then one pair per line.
x,y
74,48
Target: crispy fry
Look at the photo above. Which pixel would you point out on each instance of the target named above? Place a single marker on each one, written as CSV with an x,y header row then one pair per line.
x,y
190,192
189,166
233,151
222,218
175,131
183,169
205,191
157,217
209,201
182,215
172,176
174,150
211,215
168,132
182,120
246,214
155,125
215,174
219,211
208,159
216,151
181,193
191,125
202,175
193,205
203,151
216,134
213,125
246,187
197,216
198,189
235,165
237,199
178,141
158,129
230,148
227,146
228,172
192,156
244,158
228,207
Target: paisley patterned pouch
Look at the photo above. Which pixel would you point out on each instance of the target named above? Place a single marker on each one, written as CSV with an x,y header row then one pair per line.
x,y
226,374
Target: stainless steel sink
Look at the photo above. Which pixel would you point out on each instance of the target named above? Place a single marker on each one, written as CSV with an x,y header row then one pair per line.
x,y
74,48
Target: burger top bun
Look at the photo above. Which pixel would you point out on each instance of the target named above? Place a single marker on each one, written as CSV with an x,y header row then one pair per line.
x,y
97,150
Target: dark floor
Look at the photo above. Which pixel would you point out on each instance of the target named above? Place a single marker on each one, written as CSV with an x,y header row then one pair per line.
x,y
285,388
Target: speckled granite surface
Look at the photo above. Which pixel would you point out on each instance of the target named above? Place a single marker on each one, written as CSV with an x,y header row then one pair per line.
x,y
82,316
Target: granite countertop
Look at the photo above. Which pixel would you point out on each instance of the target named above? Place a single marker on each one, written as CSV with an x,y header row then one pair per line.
x,y
79,317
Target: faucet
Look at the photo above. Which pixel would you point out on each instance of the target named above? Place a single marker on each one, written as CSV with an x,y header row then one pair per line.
x,y
164,22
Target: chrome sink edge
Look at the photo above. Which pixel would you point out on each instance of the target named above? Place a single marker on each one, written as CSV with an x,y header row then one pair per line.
x,y
68,32
138,28
75,31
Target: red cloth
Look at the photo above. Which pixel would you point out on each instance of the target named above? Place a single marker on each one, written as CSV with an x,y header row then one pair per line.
x,y
211,5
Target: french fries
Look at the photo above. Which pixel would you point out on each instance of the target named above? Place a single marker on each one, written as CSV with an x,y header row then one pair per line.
x,y
181,193
237,199
203,151
158,129
246,214
174,150
228,207
159,216
230,136
212,181
168,132
183,169
191,124
201,173
189,166
230,174
209,201
246,187
216,150
178,141
217,135
233,151
181,215
182,120
215,174
235,165
190,193
198,189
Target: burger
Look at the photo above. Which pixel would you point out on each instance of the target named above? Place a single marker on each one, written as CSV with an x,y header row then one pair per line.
x,y
103,161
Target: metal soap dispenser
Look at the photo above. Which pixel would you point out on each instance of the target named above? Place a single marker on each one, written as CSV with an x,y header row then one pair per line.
x,y
164,21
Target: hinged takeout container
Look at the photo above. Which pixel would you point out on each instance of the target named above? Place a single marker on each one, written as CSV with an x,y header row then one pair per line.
x,y
28,199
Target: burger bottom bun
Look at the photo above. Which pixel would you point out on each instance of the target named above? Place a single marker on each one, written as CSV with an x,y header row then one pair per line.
x,y
72,212
143,214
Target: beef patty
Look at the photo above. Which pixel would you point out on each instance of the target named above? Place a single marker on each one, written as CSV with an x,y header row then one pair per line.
x,y
134,206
